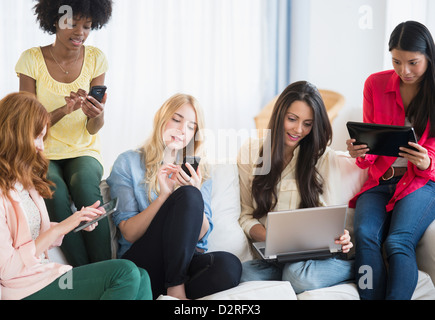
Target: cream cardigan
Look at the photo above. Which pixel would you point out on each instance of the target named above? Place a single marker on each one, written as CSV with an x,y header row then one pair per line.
x,y
288,194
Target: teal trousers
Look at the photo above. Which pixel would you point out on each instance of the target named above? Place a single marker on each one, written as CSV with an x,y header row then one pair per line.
x,y
107,280
78,180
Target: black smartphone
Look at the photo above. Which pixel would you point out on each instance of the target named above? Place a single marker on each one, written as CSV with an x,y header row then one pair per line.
x,y
193,161
98,92
109,208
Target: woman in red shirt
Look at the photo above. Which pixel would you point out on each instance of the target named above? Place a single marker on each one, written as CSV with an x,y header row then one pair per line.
x,y
397,203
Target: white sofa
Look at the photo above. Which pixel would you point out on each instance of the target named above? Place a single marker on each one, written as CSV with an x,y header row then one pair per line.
x,y
228,236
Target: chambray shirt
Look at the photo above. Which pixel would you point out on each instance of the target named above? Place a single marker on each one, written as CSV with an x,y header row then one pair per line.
x,y
126,182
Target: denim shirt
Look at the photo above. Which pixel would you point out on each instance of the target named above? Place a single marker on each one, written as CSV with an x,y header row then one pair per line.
x,y
126,182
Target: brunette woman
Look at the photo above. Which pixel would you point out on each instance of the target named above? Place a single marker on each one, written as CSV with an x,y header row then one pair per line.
x,y
302,172
397,203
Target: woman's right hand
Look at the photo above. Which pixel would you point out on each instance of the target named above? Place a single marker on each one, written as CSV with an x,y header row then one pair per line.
x,y
166,179
73,102
54,235
258,233
356,151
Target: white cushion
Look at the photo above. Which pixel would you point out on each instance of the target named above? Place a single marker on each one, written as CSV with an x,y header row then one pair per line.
x,y
353,178
105,193
257,290
252,290
425,289
340,292
56,255
227,234
426,252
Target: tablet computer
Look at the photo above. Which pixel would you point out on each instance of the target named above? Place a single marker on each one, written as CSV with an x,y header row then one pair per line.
x,y
109,208
382,140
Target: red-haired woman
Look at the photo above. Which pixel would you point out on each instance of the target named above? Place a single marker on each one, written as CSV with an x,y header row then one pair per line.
x,y
26,233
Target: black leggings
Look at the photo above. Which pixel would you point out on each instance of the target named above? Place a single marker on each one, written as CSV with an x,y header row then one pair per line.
x,y
168,250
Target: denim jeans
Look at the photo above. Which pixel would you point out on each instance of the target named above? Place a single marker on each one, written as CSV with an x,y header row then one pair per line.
x,y
397,232
304,275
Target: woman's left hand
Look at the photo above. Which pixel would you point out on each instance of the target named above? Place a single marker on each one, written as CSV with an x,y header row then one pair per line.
x,y
183,178
344,240
418,158
91,107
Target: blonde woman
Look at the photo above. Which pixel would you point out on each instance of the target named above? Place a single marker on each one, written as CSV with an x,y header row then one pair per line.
x,y
164,214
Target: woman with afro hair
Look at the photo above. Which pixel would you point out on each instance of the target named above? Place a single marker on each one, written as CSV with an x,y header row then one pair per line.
x,y
61,75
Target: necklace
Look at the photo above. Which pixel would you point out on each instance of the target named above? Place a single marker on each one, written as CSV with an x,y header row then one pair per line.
x,y
64,71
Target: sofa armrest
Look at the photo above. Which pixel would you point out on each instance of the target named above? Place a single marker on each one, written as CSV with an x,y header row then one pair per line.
x,y
105,192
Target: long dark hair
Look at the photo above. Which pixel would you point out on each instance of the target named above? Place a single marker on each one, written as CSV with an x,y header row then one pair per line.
x,y
312,147
415,37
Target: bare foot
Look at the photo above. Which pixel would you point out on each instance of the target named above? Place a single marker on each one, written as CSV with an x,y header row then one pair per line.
x,y
178,292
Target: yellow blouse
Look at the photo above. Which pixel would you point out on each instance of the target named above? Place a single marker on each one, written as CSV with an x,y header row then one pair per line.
x,y
69,138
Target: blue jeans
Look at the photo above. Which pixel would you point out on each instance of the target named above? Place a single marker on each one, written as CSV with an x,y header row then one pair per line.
x,y
398,232
304,275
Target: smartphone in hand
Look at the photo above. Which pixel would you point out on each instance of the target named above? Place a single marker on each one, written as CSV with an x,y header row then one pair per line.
x,y
193,161
109,208
98,92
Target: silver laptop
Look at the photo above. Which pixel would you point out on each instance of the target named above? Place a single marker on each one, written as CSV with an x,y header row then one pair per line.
x,y
303,234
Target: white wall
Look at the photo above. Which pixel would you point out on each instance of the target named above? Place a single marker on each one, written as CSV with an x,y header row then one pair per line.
x,y
336,45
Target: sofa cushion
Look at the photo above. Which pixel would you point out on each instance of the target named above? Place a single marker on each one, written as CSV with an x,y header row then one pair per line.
x,y
426,252
257,290
340,292
227,234
105,193
425,289
353,177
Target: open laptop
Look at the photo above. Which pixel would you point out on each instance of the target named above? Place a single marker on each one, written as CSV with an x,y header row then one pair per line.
x,y
303,234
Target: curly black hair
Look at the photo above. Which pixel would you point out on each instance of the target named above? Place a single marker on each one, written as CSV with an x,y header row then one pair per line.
x,y
47,12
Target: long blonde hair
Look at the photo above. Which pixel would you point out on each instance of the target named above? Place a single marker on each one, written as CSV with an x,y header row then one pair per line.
x,y
154,147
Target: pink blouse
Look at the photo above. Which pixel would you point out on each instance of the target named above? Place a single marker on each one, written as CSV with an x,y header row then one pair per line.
x,y
21,272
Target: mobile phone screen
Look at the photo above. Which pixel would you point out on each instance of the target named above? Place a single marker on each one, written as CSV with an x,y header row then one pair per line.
x,y
98,92
193,161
